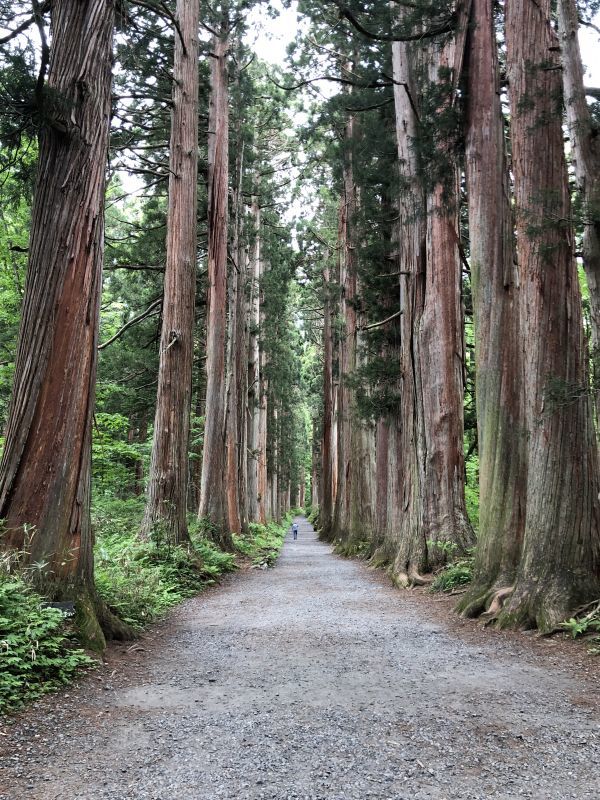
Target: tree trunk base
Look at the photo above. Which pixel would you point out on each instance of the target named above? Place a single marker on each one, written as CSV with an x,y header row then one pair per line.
x,y
525,606
410,577
112,627
94,621
475,601
380,558
537,606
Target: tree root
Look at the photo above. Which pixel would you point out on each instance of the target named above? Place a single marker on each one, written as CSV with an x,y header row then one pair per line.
x,y
497,603
411,577
379,559
474,601
112,626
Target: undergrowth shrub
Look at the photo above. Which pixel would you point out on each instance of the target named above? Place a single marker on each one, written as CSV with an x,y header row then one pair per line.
x,y
359,548
457,572
263,543
141,580
37,645
586,623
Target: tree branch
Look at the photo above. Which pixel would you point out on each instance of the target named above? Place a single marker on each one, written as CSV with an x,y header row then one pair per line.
x,y
166,12
45,59
24,25
333,79
382,322
444,27
147,313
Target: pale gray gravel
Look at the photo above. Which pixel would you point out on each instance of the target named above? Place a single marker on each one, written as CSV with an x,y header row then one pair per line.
x,y
313,680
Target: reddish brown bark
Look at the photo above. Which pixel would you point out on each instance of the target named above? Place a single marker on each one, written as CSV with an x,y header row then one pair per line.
x,y
341,514
353,503
165,515
560,563
441,348
326,506
426,450
585,146
45,468
235,354
213,499
254,374
262,485
498,361
405,543
315,477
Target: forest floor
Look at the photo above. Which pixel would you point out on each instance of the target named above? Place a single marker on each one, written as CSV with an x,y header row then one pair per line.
x,y
316,679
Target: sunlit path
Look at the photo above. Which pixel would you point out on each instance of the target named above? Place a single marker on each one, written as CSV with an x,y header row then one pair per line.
x,y
311,680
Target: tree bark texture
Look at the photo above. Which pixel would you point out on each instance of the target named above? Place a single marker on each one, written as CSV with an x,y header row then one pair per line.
x,y
585,147
235,353
560,564
326,508
498,357
263,410
165,514
242,341
213,498
441,345
346,341
45,468
254,376
315,478
405,542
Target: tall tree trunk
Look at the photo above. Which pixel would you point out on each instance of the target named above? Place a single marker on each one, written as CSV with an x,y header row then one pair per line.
x,y
346,342
235,352
441,346
273,477
586,158
560,564
326,508
166,507
405,542
315,498
45,467
380,522
262,484
498,356
254,376
242,380
213,498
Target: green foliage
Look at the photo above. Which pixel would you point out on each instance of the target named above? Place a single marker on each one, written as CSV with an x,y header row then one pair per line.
x,y
458,572
263,543
472,490
361,548
140,581
114,459
585,624
37,649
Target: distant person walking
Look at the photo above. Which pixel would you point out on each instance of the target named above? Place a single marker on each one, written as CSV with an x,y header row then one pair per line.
x,y
295,530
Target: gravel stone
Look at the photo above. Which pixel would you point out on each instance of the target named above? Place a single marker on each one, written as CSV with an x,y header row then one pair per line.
x,y
316,680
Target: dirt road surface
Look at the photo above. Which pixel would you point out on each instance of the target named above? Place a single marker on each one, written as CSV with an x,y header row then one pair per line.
x,y
313,680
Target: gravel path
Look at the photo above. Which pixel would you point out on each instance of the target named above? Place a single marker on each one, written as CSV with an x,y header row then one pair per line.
x,y
312,680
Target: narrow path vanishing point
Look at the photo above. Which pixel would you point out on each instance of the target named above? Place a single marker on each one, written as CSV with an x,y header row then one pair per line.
x,y
312,680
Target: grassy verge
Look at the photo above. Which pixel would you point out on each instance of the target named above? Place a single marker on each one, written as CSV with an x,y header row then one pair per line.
x,y
141,581
38,650
263,543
